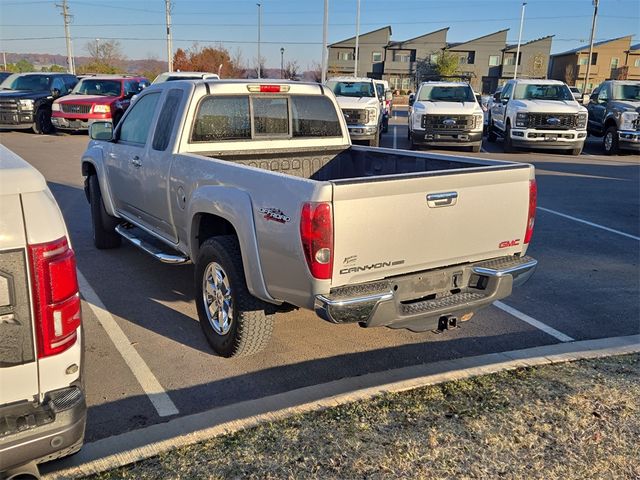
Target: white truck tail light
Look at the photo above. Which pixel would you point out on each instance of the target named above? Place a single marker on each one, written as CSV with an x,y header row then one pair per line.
x,y
268,88
56,297
531,218
316,233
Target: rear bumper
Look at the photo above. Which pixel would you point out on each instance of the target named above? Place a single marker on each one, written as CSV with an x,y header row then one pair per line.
x,y
418,301
51,430
629,140
446,139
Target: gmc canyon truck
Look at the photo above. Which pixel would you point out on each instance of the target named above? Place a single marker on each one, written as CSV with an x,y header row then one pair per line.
x,y
614,115
538,114
42,404
257,183
445,114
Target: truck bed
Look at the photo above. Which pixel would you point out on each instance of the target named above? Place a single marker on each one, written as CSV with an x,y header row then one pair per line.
x,y
351,163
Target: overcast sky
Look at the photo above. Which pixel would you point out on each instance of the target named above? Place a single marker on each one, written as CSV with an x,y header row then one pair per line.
x,y
36,26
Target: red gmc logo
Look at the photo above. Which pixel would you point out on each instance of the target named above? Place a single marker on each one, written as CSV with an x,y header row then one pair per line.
x,y
509,243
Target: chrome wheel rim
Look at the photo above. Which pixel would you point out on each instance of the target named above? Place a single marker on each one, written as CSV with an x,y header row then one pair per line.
x,y
608,141
218,302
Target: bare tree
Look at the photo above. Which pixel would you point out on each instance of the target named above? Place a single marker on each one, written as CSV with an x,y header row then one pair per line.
x,y
315,70
291,70
570,74
106,57
535,66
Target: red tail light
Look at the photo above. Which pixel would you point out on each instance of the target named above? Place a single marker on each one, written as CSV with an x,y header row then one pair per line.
x,y
56,298
531,218
316,232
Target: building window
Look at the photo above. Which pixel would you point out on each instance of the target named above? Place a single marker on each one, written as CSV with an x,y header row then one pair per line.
x,y
594,58
467,58
614,62
583,60
494,60
346,56
376,56
580,85
510,59
406,83
433,58
401,57
637,62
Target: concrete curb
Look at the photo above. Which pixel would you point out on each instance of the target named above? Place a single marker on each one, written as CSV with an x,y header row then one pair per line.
x,y
137,445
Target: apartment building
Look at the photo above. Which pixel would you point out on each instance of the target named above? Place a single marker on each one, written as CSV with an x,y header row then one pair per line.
x,y
611,59
486,61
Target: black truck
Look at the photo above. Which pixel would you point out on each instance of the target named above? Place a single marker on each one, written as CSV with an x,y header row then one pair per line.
x,y
26,98
614,115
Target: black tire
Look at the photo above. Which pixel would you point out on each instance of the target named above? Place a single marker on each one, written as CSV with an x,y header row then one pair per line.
x,y
249,329
506,144
375,142
475,148
42,122
491,133
610,141
103,224
408,133
575,151
385,126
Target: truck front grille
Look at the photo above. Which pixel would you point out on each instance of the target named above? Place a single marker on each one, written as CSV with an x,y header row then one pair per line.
x,y
8,106
636,123
552,121
447,122
75,108
355,116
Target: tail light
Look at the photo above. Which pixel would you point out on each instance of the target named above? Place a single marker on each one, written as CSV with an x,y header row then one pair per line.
x,y
316,232
531,218
56,297
271,88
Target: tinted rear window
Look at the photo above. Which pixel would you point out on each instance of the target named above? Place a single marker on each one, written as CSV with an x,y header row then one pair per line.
x,y
167,118
243,117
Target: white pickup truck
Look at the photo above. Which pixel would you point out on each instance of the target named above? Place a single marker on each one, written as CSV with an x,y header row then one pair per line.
x,y
538,114
257,183
445,114
42,404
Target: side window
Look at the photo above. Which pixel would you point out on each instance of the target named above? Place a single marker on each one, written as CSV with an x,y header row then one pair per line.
x,y
603,95
70,82
166,120
131,86
222,118
135,127
506,92
314,116
57,83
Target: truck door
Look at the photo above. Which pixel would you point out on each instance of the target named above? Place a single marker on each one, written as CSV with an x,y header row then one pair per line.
x,y
499,109
598,108
127,159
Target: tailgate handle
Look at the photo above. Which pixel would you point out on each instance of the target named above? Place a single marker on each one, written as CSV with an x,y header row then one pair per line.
x,y
444,199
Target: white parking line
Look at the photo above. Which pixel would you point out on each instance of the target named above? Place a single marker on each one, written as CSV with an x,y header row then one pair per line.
x,y
533,322
579,220
395,138
147,380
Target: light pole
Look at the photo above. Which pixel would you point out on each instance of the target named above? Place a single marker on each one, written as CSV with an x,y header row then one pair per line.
x,y
355,65
515,70
259,28
325,33
281,62
593,31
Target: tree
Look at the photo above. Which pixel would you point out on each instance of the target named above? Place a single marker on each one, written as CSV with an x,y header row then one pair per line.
x,y
106,57
535,66
208,59
570,74
54,68
23,65
448,64
315,71
291,71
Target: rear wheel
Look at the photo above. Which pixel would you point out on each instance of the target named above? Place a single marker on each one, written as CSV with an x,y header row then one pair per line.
x,y
507,144
233,321
42,122
104,234
610,141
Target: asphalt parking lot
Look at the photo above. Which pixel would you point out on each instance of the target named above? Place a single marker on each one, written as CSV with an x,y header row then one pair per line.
x,y
587,241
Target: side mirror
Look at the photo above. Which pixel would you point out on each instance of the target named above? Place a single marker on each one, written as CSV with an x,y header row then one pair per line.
x,y
130,94
496,97
101,131
504,100
412,99
388,96
56,92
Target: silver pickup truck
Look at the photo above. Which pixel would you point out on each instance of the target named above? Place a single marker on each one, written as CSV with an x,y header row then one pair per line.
x,y
257,184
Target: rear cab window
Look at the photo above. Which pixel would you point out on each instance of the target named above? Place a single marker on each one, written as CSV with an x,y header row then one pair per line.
x,y
251,117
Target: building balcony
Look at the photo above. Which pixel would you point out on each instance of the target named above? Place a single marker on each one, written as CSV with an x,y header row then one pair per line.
x,y
399,67
582,70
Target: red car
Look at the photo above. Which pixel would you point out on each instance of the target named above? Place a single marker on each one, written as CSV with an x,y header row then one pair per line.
x,y
96,98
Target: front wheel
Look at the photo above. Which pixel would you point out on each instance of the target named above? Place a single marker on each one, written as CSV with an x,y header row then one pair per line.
x,y
42,122
610,141
476,148
575,151
104,234
507,144
374,142
233,321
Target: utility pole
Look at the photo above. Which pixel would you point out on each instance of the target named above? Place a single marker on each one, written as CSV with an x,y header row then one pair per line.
x,y
167,10
355,66
259,28
4,60
515,70
325,34
593,32
67,20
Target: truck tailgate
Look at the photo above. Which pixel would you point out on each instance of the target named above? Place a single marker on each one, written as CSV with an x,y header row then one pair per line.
x,y
386,226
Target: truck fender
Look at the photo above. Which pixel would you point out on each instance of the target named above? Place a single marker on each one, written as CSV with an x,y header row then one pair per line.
x,y
92,162
234,206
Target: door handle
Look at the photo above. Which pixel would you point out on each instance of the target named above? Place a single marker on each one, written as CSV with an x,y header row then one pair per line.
x,y
135,161
445,199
